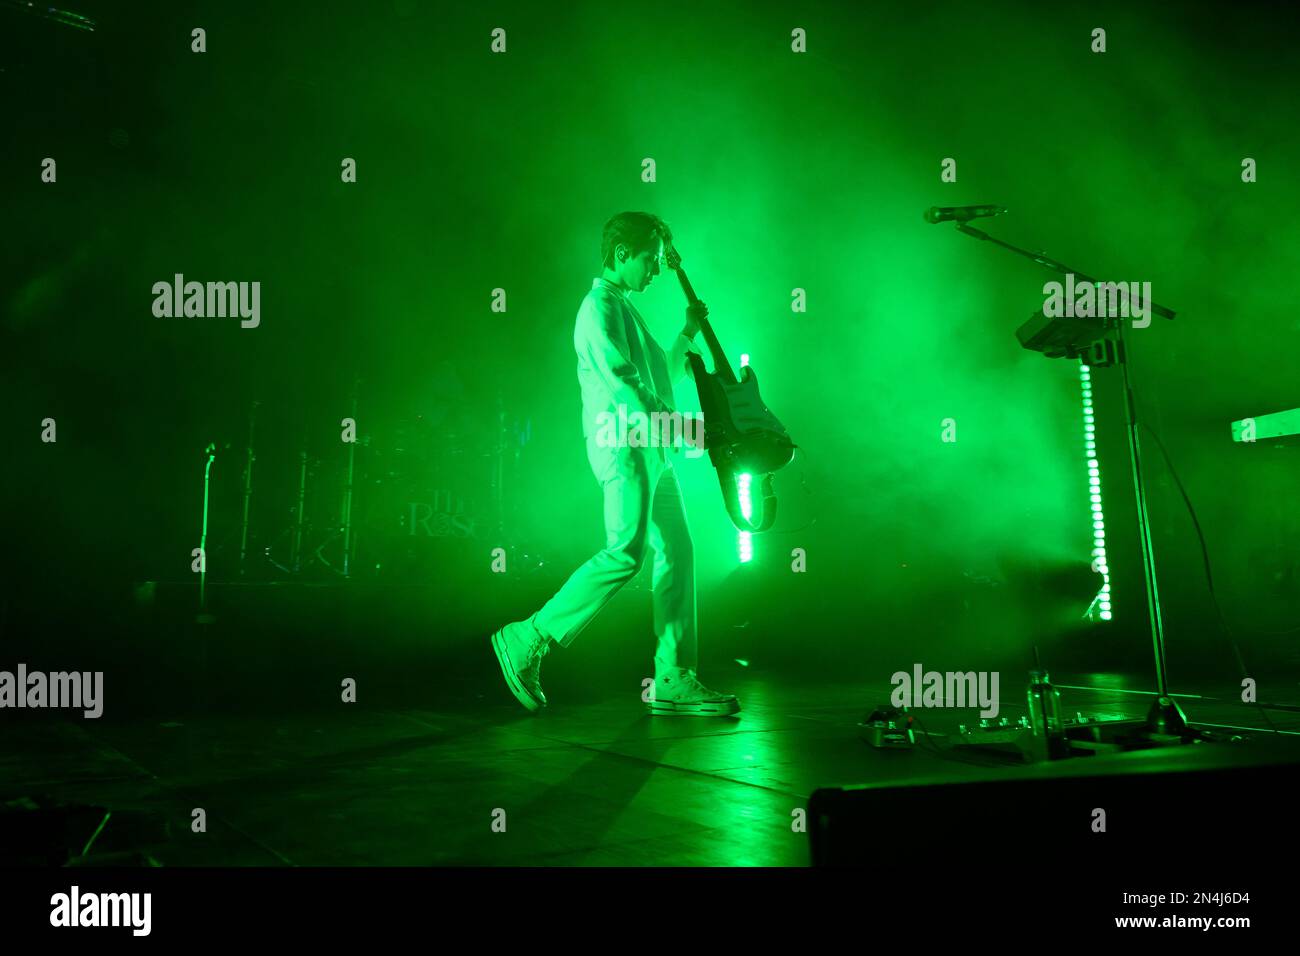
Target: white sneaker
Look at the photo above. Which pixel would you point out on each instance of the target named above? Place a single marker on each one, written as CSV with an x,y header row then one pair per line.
x,y
678,692
520,648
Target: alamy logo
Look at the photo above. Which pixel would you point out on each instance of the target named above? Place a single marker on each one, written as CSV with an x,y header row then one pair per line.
x,y
79,690
212,300
1092,300
951,689
637,429
102,909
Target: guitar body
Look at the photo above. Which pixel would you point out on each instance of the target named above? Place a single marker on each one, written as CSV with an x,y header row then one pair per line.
x,y
741,434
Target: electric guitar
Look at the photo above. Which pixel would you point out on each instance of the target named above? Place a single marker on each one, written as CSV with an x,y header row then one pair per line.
x,y
741,435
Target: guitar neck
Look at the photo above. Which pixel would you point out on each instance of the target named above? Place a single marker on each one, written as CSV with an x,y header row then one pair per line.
x,y
720,364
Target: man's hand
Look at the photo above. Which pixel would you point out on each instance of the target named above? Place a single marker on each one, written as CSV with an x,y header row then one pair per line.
x,y
696,313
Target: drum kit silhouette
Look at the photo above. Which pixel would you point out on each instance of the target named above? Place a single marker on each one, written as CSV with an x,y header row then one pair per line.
x,y
391,503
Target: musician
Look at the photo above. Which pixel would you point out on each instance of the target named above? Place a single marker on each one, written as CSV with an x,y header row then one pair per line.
x,y
620,363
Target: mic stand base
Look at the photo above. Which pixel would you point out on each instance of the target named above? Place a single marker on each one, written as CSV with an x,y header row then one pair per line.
x,y
1167,719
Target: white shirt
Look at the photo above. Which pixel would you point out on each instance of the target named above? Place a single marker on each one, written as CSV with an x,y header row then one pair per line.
x,y
619,361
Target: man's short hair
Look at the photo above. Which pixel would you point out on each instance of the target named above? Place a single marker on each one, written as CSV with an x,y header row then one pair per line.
x,y
636,230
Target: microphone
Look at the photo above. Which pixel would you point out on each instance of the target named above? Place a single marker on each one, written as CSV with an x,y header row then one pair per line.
x,y
211,449
937,214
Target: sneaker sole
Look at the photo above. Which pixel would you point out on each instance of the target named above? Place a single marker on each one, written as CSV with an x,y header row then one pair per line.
x,y
530,702
719,708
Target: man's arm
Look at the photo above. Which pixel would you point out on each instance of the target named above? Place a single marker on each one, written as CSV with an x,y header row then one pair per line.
x,y
677,364
600,337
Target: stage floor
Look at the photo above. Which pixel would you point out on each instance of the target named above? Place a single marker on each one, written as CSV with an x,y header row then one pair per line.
x,y
589,783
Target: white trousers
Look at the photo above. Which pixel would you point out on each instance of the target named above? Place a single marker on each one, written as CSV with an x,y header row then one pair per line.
x,y
643,512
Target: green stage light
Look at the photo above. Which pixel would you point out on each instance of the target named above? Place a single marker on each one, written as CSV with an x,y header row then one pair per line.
x,y
1100,606
745,542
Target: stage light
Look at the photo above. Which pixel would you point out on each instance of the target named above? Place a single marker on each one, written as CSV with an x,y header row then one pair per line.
x,y
1101,603
744,542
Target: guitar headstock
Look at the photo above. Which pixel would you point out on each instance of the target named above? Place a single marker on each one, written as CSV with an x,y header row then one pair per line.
x,y
672,258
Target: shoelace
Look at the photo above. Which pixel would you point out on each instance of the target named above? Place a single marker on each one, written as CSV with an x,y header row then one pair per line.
x,y
699,688
691,685
536,651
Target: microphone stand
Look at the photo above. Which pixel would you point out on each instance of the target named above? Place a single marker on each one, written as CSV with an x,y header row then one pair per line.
x,y
248,490
203,616
1043,260
347,489
295,543
1165,716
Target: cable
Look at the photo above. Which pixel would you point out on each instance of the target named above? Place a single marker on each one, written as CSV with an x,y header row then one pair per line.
x,y
1209,575
803,482
951,752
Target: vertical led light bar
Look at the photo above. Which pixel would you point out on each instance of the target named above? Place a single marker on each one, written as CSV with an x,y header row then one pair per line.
x,y
743,542
1100,607
746,508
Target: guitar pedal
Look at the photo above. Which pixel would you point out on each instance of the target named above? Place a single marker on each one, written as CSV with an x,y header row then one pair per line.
x,y
887,728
